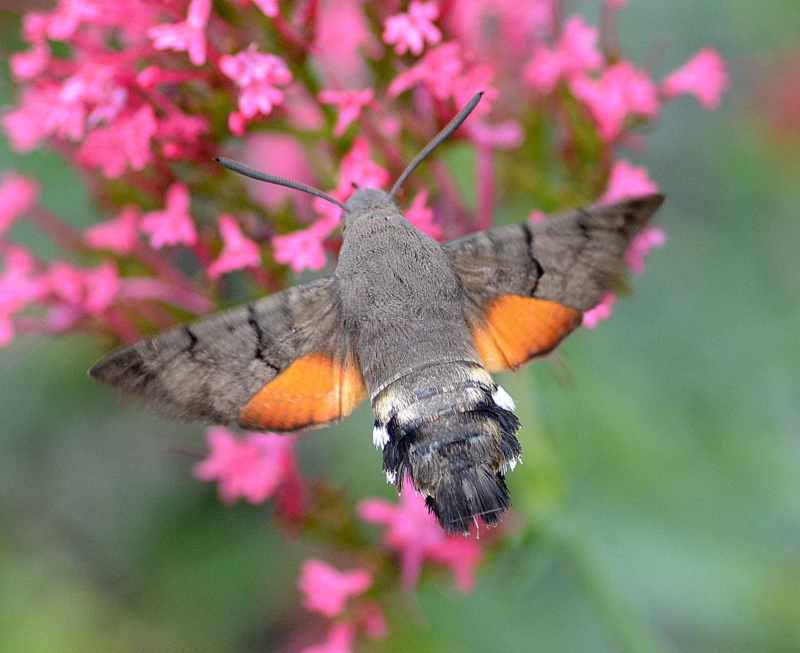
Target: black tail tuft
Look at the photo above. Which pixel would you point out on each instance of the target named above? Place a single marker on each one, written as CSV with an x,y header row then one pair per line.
x,y
458,499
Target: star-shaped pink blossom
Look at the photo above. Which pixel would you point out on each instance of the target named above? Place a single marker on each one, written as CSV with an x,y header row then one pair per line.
x,y
118,235
20,285
188,36
410,31
326,589
238,251
627,181
412,531
349,104
601,312
258,76
249,468
18,194
437,69
703,76
340,640
621,91
173,225
422,217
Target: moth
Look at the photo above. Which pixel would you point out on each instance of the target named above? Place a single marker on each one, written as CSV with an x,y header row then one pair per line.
x,y
414,325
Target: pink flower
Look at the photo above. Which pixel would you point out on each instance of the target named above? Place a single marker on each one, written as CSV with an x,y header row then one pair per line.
x,y
19,287
422,217
358,170
27,65
409,32
267,7
126,142
326,590
249,468
188,36
506,135
69,15
237,252
18,195
536,216
642,245
257,75
575,53
437,69
263,146
601,312
302,250
621,91
118,235
627,181
413,532
703,76
340,640
173,225
80,292
349,104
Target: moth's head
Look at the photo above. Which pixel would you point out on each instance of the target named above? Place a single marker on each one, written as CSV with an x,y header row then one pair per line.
x,y
365,199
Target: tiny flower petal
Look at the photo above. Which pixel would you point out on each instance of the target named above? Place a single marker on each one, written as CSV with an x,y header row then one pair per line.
x,y
703,76
412,531
410,32
642,245
340,640
249,468
18,194
118,235
301,250
173,225
349,104
437,69
188,36
599,313
422,217
620,92
258,76
238,251
627,181
326,589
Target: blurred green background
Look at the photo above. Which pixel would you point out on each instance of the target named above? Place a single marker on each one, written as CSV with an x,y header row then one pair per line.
x,y
663,466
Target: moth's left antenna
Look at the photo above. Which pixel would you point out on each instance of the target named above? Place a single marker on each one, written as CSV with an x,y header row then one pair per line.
x,y
449,128
247,171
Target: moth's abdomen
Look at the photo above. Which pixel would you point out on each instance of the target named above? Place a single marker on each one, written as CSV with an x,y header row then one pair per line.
x,y
450,429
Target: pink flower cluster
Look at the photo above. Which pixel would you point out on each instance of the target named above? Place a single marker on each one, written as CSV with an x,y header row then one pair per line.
x,y
140,96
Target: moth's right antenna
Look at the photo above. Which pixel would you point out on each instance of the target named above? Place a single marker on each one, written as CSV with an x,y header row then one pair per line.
x,y
247,171
449,128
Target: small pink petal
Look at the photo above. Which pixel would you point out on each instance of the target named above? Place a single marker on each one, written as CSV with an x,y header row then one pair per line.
x,y
173,225
118,235
601,312
412,531
188,36
18,195
349,104
422,217
340,640
703,76
410,31
238,251
326,589
627,181
249,468
642,245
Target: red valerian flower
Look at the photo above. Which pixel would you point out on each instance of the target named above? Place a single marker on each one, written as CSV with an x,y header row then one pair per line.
x,y
703,76
326,589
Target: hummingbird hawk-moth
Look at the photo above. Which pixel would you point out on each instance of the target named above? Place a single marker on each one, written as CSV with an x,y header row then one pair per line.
x,y
414,325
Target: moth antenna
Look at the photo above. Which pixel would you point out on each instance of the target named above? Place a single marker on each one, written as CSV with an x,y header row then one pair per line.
x,y
448,129
247,171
